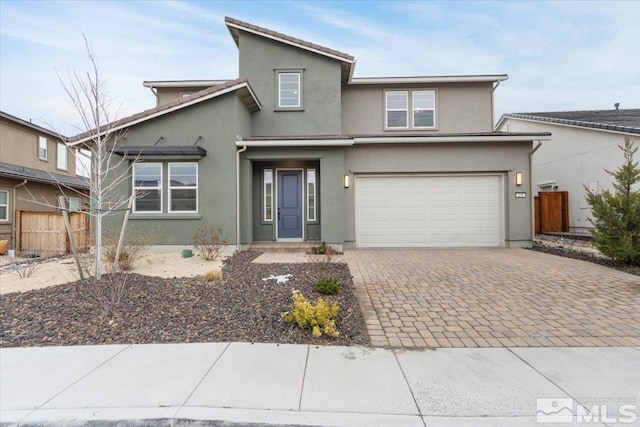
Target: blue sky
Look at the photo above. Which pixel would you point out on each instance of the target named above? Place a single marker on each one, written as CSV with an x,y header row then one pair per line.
x,y
559,55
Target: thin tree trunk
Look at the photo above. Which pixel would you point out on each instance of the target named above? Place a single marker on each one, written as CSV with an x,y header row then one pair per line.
x,y
124,227
72,243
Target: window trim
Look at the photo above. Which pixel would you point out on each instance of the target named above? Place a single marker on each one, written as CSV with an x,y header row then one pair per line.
x,y
387,109
135,189
300,104
6,205
42,139
410,111
264,200
413,109
62,148
315,192
190,187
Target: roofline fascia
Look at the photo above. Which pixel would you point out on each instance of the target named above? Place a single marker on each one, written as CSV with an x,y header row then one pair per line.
x,y
430,79
505,116
182,83
289,42
295,143
388,140
423,139
175,108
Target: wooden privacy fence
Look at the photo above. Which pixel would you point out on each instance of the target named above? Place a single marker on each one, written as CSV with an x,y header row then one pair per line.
x,y
44,233
552,212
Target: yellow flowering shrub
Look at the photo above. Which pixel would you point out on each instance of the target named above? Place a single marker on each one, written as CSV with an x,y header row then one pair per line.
x,y
319,317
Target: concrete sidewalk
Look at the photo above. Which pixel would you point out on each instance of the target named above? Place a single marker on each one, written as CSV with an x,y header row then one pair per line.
x,y
242,383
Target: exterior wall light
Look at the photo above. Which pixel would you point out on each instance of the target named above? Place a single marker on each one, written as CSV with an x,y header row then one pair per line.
x,y
346,181
518,178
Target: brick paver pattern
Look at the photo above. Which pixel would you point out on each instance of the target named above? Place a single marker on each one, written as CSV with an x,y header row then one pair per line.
x,y
493,298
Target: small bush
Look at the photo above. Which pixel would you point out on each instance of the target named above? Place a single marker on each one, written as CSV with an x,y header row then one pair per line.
x,y
208,241
136,242
214,275
328,286
319,317
321,249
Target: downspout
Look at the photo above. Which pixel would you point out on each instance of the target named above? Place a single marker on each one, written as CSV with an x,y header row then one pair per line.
x,y
155,93
13,233
242,150
533,204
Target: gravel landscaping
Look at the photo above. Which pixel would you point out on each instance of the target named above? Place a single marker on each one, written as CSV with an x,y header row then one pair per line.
x,y
242,307
579,249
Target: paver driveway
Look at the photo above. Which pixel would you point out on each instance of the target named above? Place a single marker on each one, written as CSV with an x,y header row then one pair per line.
x,y
493,298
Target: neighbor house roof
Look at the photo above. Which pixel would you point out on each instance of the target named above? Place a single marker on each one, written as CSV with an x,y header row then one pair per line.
x,y
235,26
183,83
627,120
30,125
20,172
241,86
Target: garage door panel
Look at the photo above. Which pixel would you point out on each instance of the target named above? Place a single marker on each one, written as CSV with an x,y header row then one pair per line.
x,y
423,211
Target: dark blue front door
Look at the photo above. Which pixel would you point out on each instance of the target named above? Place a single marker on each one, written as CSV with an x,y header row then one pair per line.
x,y
290,204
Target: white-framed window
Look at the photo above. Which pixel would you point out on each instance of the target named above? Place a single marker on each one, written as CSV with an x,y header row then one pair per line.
x,y
268,195
423,109
4,205
147,186
311,194
71,204
61,156
43,148
183,187
397,109
289,89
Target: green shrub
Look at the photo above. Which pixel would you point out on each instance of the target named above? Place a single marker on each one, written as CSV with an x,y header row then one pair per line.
x,y
319,317
616,215
328,286
320,250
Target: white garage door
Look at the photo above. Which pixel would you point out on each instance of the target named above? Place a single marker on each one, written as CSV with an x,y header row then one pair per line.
x,y
428,211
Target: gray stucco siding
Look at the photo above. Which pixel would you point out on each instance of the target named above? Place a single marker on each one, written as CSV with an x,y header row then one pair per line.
x,y
260,59
460,108
503,159
212,125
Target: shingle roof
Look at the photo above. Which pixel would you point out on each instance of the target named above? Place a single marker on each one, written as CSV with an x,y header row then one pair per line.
x,y
30,125
627,120
235,25
241,85
20,172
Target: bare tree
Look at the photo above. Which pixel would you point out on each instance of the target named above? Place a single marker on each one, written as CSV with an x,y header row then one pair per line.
x,y
98,134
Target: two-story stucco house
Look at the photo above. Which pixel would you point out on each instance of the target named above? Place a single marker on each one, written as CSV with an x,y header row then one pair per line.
x,y
36,170
297,149
585,143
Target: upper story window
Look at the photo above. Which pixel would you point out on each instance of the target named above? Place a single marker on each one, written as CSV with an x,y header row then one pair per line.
x,y
147,186
61,156
43,148
422,114
289,89
4,205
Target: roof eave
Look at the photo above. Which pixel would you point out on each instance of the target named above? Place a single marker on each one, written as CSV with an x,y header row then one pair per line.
x,y
490,78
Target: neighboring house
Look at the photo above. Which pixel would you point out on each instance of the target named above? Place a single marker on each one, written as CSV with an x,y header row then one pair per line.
x,y
36,170
585,143
297,149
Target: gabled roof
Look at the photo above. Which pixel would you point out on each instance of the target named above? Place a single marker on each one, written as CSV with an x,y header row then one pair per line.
x,y
20,172
235,26
36,128
183,83
626,121
241,86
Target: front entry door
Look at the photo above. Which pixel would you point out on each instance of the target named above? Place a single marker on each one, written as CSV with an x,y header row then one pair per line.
x,y
290,204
